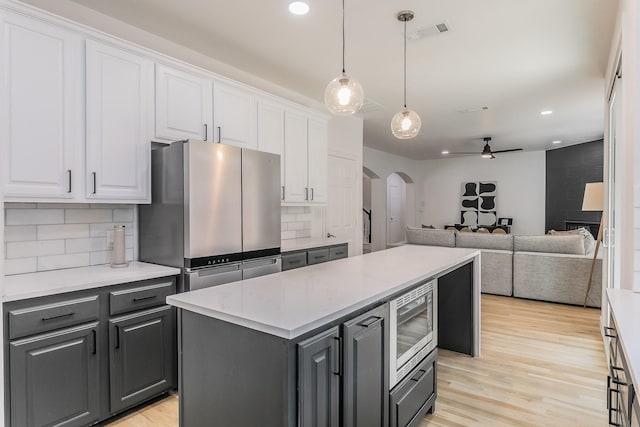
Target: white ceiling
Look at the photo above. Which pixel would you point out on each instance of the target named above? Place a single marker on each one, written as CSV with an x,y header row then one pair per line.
x,y
517,57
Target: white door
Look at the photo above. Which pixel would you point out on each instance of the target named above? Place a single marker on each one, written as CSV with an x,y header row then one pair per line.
x,y
342,211
295,159
184,104
317,161
613,206
41,122
119,116
271,132
234,116
395,209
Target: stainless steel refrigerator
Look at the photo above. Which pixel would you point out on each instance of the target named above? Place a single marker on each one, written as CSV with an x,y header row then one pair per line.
x,y
215,213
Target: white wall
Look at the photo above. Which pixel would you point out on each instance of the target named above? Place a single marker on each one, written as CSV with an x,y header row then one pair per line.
x,y
345,140
521,188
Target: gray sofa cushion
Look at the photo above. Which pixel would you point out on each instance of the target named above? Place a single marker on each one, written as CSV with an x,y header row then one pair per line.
x,y
428,236
485,241
552,244
589,241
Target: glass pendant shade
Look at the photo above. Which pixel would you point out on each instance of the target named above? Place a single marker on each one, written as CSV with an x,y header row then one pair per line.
x,y
406,124
343,95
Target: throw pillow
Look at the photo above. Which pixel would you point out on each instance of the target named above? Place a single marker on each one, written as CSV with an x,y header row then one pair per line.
x,y
589,241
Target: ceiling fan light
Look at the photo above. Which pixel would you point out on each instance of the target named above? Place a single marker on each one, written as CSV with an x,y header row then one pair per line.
x,y
406,124
343,96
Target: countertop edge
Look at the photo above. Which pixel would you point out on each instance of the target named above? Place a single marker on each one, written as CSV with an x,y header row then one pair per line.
x,y
83,279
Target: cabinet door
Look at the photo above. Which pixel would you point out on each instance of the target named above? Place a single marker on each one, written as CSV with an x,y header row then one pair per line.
x,y
318,160
41,122
271,132
184,104
234,115
318,380
365,384
295,159
55,378
119,116
142,356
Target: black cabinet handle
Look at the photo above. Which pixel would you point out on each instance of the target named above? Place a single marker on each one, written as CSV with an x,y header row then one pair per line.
x,y
95,178
319,257
145,298
340,253
418,375
311,193
370,321
614,378
206,132
219,134
337,356
95,342
306,193
283,192
611,408
117,337
60,316
295,261
69,176
607,329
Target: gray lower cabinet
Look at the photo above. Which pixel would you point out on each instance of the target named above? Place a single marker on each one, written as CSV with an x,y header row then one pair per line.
x,y
297,259
319,380
142,356
365,390
415,395
635,412
55,378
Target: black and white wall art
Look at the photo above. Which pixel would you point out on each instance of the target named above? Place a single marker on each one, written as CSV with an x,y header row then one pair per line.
x,y
478,203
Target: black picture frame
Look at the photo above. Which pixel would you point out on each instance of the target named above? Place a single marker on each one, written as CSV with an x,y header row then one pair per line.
x,y
505,221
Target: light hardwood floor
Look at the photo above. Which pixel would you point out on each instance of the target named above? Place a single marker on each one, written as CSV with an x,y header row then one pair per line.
x,y
542,364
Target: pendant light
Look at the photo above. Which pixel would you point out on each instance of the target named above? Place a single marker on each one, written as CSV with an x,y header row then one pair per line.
x,y
405,124
343,95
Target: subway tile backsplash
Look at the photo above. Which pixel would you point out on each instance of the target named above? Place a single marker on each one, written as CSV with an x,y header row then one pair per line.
x,y
296,222
51,236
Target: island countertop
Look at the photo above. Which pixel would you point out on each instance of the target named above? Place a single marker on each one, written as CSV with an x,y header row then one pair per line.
x,y
294,302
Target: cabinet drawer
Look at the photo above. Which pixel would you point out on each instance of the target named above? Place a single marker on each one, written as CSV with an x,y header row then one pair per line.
x,y
409,397
338,252
295,260
43,318
317,256
140,297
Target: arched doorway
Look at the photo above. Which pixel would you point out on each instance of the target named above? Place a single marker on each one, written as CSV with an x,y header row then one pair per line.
x,y
400,207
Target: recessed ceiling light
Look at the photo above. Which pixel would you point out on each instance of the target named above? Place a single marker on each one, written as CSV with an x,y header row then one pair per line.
x,y
557,141
298,8
546,112
445,152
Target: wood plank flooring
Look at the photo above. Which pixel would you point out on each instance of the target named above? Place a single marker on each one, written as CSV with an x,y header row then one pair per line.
x,y
542,364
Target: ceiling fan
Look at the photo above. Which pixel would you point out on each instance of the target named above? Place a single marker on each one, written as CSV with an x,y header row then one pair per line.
x,y
486,151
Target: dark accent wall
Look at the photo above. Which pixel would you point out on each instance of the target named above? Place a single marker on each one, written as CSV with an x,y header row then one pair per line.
x,y
568,170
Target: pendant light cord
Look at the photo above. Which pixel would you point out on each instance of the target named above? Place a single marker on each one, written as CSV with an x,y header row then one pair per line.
x,y
405,64
343,37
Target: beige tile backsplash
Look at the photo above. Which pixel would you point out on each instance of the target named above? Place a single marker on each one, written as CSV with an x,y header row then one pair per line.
x,y
51,236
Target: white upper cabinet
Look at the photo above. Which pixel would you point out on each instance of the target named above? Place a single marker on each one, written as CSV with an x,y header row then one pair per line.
x,y
183,105
234,116
41,122
271,131
119,123
317,160
295,159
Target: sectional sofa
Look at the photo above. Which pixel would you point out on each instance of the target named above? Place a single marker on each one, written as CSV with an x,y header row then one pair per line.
x,y
552,268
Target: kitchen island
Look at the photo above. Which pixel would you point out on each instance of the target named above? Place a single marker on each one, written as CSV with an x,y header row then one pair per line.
x,y
243,345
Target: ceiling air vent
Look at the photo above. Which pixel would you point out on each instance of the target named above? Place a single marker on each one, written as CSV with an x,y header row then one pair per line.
x,y
432,30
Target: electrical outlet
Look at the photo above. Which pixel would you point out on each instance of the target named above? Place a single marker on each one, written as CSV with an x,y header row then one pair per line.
x,y
109,239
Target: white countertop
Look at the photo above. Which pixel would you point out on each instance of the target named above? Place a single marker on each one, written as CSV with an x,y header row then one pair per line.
x,y
308,243
294,302
625,306
31,285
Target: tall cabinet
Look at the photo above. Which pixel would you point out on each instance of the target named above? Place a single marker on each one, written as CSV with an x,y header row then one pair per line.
x,y
41,107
